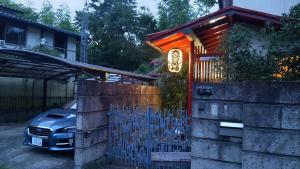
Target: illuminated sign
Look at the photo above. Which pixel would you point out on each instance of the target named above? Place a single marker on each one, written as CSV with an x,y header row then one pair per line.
x,y
175,60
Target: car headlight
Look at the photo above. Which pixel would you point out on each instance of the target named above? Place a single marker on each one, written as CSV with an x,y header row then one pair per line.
x,y
67,130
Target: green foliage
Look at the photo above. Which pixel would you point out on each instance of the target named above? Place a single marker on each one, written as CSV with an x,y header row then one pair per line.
x,y
29,13
173,87
144,68
47,50
277,58
3,167
63,16
175,12
118,31
202,7
60,18
47,15
243,60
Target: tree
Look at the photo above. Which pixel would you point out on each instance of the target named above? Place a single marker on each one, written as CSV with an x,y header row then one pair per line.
x,y
202,7
64,18
47,14
175,12
28,12
117,31
278,57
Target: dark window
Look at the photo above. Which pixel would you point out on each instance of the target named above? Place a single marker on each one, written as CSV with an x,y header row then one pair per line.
x,y
2,28
15,35
59,41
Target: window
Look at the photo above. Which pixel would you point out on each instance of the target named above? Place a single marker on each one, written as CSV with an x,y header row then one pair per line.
x,y
15,35
2,26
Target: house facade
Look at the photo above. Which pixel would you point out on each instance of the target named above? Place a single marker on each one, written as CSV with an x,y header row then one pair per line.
x,y
21,98
198,41
16,32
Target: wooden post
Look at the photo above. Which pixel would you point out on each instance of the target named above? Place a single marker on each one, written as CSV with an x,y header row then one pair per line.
x,y
190,78
45,93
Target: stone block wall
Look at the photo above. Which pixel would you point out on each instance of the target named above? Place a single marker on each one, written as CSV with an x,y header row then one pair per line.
x,y
210,148
94,100
270,114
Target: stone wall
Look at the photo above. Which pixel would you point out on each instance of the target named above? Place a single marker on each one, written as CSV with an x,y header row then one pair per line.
x,y
270,114
94,100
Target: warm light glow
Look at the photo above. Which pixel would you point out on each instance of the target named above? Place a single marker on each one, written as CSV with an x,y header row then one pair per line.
x,y
175,57
216,19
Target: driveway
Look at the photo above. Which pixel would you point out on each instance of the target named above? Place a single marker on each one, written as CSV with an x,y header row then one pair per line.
x,y
15,155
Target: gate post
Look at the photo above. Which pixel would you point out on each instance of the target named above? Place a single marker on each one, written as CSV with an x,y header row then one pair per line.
x,y
149,137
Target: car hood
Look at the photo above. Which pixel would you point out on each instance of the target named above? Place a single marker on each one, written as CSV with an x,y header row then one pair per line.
x,y
55,119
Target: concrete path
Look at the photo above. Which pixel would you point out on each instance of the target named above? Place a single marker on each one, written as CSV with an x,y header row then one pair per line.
x,y
15,155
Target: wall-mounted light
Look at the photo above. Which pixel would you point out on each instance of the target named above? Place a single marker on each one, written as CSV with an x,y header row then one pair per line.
x,y
175,57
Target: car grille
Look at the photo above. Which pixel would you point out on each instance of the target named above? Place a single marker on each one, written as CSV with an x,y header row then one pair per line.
x,y
38,131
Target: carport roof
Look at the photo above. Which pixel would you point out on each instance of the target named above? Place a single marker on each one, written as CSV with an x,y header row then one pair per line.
x,y
28,64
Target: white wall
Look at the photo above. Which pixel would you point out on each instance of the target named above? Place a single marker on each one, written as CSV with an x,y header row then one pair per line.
x,y
276,7
33,37
71,54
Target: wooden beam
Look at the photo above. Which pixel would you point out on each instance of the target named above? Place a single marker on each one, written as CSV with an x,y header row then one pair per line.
x,y
210,41
214,29
216,43
168,38
172,41
212,35
178,44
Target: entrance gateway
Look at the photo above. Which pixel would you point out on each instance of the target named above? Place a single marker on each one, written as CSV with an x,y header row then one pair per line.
x,y
149,139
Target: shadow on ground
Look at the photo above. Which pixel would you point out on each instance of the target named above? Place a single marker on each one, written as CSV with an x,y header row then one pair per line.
x,y
15,155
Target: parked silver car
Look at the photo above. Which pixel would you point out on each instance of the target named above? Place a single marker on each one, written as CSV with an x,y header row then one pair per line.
x,y
53,130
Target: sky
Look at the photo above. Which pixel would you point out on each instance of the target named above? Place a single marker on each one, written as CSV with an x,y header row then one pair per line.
x,y
78,4
276,7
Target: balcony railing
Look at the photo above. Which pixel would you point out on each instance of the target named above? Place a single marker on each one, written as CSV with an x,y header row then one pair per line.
x,y
46,49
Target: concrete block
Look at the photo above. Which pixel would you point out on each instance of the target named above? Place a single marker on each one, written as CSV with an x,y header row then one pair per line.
x,y
221,91
91,120
222,110
88,138
290,117
89,104
84,156
200,163
89,88
254,160
285,142
217,150
272,116
205,128
273,92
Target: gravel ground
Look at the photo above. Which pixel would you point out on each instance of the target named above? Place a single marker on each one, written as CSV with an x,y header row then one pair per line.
x,y
15,155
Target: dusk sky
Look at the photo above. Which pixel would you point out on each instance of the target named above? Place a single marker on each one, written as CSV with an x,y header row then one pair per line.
x,y
271,6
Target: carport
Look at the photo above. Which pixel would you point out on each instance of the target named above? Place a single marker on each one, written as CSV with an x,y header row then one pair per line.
x,y
20,63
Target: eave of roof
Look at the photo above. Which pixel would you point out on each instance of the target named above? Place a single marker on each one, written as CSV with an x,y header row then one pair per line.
x,y
35,24
11,9
225,11
72,66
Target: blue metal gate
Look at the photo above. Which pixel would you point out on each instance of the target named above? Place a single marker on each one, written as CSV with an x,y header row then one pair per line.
x,y
136,135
